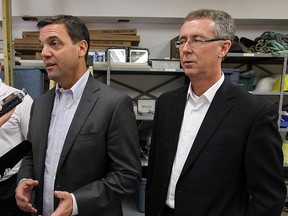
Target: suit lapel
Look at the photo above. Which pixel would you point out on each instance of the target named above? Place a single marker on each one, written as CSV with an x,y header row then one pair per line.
x,y
44,115
46,108
86,104
216,113
176,121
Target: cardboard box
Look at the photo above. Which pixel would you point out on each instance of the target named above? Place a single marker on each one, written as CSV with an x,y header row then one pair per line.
x,y
134,39
26,57
38,56
26,41
110,43
35,34
30,34
94,48
114,31
27,47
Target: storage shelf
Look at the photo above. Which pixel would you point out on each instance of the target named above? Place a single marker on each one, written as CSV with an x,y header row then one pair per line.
x,y
267,93
132,68
254,58
140,71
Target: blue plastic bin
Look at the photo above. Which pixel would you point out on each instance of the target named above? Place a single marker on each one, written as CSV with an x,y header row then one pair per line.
x,y
32,79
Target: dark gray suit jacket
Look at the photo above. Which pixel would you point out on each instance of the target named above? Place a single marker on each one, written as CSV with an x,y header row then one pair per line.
x,y
100,160
234,166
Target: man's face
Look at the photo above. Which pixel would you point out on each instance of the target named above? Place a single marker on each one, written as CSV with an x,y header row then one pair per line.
x,y
200,61
59,54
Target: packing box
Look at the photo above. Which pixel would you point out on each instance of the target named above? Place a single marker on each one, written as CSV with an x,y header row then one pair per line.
x,y
114,31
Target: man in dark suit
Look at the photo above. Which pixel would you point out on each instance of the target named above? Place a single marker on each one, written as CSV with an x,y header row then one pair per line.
x,y
85,156
216,149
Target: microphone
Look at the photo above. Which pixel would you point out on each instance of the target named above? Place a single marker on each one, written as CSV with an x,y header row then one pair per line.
x,y
12,157
12,101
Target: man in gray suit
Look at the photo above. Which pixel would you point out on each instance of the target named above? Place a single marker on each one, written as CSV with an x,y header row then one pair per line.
x,y
85,155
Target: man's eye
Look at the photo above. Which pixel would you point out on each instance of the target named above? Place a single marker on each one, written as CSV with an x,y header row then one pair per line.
x,y
196,40
182,42
54,43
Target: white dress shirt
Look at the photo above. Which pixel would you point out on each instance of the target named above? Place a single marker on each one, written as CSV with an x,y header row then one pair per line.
x,y
195,111
14,131
65,105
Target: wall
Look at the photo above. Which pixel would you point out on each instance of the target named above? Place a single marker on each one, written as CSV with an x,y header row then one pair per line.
x,y
156,37
157,21
256,9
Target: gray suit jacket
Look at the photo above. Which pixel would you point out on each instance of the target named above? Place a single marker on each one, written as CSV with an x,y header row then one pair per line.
x,y
100,160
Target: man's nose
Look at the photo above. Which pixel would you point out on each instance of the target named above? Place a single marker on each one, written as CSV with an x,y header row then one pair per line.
x,y
45,52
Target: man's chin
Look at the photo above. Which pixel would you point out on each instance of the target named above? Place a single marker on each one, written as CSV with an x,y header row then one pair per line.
x,y
52,78
189,71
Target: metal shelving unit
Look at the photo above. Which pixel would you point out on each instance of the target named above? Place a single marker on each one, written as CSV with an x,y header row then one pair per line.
x,y
7,41
132,69
107,70
256,60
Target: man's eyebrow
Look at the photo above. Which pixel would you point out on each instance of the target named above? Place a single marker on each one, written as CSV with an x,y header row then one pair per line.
x,y
191,36
51,38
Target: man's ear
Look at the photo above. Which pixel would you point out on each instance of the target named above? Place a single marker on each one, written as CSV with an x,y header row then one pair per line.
x,y
225,48
83,48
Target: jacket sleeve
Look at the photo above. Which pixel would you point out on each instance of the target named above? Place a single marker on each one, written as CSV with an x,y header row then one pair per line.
x,y
264,165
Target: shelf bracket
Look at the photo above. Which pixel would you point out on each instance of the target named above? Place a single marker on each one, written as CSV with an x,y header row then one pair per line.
x,y
7,42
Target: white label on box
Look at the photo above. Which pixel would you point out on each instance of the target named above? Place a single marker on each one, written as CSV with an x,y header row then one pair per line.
x,y
146,106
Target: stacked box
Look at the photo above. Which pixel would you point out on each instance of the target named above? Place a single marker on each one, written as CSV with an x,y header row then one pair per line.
x,y
26,48
106,38
100,39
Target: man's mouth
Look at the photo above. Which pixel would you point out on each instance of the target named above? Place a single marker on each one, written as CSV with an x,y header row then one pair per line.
x,y
188,62
49,65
